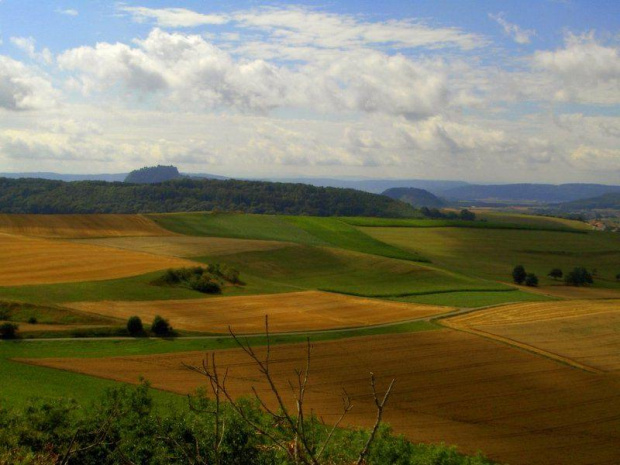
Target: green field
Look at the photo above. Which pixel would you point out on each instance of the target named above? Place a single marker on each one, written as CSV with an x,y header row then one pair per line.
x,y
299,229
474,299
491,254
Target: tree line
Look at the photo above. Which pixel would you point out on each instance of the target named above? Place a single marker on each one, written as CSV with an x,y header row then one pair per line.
x,y
185,195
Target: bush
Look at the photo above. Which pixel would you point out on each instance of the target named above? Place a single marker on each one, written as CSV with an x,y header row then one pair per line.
x,y
531,280
578,277
519,274
134,326
161,327
8,331
33,320
618,277
205,285
556,273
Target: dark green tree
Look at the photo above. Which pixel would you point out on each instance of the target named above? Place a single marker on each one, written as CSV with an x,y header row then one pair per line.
x,y
161,327
134,326
519,274
531,280
8,331
467,215
556,273
580,276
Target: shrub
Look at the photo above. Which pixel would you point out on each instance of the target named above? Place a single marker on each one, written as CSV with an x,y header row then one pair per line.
x,y
205,285
519,274
531,280
618,277
33,320
578,277
8,331
161,326
134,326
556,273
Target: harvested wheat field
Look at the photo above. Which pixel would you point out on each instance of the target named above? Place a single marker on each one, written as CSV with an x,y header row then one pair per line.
x,y
574,292
586,333
27,260
451,386
76,226
186,246
296,311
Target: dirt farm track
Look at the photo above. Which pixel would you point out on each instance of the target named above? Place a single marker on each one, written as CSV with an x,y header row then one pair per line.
x,y
451,386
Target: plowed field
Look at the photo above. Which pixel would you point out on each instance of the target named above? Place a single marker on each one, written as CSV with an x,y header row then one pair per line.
x,y
75,226
451,386
26,260
297,311
586,332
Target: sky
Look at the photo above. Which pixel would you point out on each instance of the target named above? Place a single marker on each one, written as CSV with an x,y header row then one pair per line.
x,y
480,91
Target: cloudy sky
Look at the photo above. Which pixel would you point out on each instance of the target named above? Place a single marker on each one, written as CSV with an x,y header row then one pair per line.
x,y
483,91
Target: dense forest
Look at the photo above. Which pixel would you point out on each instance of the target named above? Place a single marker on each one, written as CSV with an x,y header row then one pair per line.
x,y
45,196
153,174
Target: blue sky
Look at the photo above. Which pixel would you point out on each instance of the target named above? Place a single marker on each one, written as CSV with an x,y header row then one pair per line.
x,y
480,91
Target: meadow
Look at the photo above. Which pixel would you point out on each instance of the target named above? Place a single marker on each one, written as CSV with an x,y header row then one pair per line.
x,y
428,302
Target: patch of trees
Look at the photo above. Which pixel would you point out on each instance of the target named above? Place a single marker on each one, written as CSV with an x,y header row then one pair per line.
x,y
186,195
8,330
160,327
434,213
579,276
208,280
520,276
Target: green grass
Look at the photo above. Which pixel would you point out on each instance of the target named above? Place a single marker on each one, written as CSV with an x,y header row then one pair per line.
x,y
339,234
528,223
22,312
27,381
304,267
240,226
305,230
492,254
472,299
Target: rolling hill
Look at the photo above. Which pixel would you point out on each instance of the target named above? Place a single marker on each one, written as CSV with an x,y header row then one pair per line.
x,y
414,197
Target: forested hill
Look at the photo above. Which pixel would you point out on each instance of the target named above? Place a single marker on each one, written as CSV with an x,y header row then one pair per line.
x,y
606,201
45,196
415,197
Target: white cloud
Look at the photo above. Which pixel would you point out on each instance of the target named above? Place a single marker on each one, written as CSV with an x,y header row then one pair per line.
x,y
191,71
595,158
171,17
68,12
23,89
587,70
520,36
28,45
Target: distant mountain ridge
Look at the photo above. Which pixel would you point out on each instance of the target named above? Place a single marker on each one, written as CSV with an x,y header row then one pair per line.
x,y
541,193
415,197
611,200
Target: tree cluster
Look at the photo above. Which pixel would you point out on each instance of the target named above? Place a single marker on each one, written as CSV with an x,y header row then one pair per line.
x,y
435,213
208,280
520,276
186,195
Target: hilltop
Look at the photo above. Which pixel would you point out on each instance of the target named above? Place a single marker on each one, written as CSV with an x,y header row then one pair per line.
x,y
415,197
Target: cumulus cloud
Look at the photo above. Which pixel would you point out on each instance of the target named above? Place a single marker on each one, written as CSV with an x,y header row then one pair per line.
x,y
595,158
21,88
28,45
520,36
194,71
588,70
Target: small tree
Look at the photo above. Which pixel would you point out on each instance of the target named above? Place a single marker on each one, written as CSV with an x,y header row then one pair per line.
x,y
134,326
578,277
618,277
467,215
556,273
531,280
519,274
161,327
8,331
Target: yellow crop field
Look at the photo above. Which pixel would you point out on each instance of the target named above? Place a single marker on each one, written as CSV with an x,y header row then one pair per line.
x,y
76,226
187,246
450,386
296,311
27,260
585,333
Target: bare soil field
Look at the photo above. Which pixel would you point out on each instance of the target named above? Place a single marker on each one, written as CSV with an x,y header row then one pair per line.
x,y
451,386
586,332
186,246
76,226
27,260
296,311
